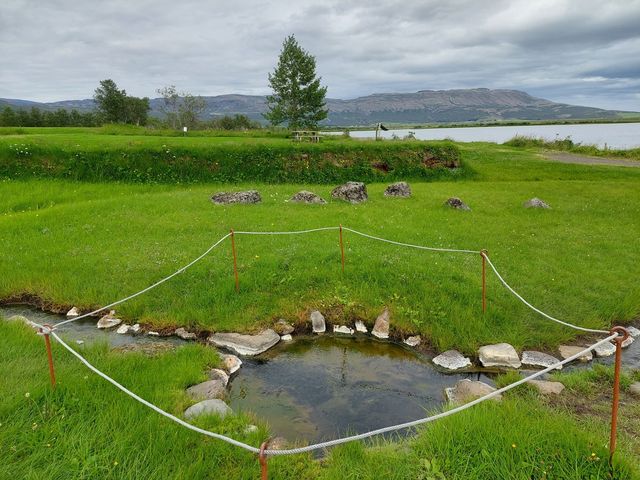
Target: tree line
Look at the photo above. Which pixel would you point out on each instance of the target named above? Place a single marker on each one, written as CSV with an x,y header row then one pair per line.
x,y
297,101
35,117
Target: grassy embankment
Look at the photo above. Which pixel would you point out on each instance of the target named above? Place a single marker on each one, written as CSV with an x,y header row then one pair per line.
x,y
86,429
87,243
155,159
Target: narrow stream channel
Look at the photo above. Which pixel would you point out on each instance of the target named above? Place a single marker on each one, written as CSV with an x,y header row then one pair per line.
x,y
317,388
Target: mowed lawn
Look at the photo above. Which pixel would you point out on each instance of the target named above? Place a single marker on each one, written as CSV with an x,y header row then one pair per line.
x,y
88,244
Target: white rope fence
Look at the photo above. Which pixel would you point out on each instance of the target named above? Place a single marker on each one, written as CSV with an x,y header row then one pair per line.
x,y
45,330
337,441
321,229
150,287
537,310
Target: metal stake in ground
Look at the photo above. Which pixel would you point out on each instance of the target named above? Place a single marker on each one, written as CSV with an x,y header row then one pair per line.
x,y
623,335
47,342
483,254
342,248
235,260
263,461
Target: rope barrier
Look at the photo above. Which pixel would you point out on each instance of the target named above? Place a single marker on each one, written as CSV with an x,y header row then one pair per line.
x,y
338,441
420,247
263,452
292,232
340,228
519,297
150,287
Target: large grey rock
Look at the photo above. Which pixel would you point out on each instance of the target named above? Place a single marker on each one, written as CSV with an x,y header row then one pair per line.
x,y
567,351
605,350
124,328
353,192
467,390
225,198
381,327
208,407
317,322
361,327
343,329
208,390
633,331
547,388
135,328
282,327
455,202
74,312
246,344
499,355
535,203
231,363
184,334
539,359
305,196
217,374
413,341
398,189
634,389
109,321
452,360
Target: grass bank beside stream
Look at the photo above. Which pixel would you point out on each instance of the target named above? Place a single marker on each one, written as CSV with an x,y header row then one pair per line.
x,y
87,244
197,159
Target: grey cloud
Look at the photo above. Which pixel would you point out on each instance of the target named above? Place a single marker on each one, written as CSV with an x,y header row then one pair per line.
x,y
566,50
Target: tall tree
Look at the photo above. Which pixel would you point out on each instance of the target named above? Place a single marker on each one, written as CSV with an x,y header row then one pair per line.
x,y
137,110
111,101
298,99
169,106
191,107
181,109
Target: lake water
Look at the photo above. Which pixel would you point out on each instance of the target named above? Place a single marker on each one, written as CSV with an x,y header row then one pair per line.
x,y
614,135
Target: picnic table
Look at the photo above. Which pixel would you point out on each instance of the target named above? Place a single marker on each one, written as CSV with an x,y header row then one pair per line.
x,y
306,135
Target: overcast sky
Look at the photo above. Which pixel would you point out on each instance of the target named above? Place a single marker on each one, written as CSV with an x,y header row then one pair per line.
x,y
575,51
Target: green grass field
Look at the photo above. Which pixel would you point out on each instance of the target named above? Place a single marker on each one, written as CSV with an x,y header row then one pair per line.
x,y
88,243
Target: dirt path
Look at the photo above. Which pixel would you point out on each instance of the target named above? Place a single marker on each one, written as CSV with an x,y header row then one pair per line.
x,y
585,160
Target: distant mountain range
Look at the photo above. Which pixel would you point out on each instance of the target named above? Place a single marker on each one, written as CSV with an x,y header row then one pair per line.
x,y
425,106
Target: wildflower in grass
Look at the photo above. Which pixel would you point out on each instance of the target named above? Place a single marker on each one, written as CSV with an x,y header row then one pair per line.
x,y
115,464
27,395
513,445
34,426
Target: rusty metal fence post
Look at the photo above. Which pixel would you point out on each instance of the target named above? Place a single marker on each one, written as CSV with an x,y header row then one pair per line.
x,y
235,260
623,335
264,475
47,342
